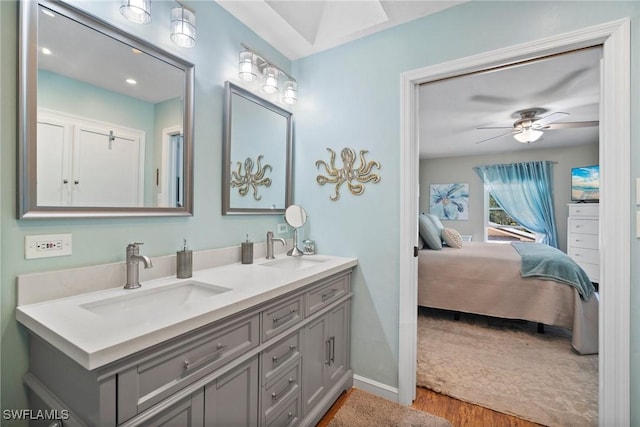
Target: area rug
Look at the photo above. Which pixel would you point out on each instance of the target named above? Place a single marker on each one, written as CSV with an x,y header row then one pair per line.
x,y
505,365
363,409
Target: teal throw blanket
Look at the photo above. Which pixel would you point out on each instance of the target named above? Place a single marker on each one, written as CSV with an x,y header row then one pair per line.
x,y
546,262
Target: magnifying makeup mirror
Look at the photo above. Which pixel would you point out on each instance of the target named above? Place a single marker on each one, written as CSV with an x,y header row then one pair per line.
x,y
296,217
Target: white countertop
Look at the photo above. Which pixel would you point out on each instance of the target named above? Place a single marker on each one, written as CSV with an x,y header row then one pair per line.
x,y
93,340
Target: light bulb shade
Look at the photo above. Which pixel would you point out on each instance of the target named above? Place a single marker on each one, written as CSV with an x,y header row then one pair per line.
x,y
183,27
270,80
290,92
138,11
528,135
248,66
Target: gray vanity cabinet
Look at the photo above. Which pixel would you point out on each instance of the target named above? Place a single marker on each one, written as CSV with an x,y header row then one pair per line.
x,y
232,400
280,363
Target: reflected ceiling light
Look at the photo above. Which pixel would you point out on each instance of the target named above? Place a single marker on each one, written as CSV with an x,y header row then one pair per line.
x,y
252,64
528,135
138,11
46,51
48,13
183,27
131,81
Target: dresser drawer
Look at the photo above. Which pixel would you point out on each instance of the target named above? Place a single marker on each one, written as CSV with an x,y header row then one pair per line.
x,y
281,391
323,295
587,241
281,316
584,226
591,256
154,379
279,356
592,270
584,210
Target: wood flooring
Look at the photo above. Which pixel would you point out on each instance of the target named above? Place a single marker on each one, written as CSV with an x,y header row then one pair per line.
x,y
457,412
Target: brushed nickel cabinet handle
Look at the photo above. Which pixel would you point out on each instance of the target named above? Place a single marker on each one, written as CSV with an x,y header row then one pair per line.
x,y
276,396
188,366
329,294
286,316
276,359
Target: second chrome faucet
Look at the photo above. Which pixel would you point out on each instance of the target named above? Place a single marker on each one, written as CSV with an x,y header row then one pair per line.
x,y
270,240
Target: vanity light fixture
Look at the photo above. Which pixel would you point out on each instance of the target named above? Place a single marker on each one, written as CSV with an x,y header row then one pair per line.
x,y
183,26
252,64
528,135
138,11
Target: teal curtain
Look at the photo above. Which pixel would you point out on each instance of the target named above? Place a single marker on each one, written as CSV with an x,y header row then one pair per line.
x,y
525,191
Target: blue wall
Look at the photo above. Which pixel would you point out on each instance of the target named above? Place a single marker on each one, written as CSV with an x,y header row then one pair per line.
x,y
216,60
349,96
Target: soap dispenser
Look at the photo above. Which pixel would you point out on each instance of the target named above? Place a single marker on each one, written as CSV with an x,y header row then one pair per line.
x,y
247,251
184,262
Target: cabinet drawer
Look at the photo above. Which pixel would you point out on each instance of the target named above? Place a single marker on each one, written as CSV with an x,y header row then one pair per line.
x,y
584,226
281,391
592,256
277,357
290,416
323,295
587,241
152,380
584,210
281,316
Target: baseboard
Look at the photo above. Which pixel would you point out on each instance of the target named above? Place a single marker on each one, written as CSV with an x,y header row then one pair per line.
x,y
375,387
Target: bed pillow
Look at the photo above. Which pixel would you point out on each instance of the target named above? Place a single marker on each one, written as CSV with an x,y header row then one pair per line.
x,y
436,222
429,233
452,238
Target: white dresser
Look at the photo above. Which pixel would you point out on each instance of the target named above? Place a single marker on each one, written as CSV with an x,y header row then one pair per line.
x,y
583,235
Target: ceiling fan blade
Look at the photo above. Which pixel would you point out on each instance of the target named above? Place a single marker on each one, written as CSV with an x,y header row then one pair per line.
x,y
546,120
495,137
568,125
495,127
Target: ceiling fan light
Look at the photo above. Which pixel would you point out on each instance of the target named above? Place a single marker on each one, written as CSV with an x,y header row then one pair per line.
x,y
528,135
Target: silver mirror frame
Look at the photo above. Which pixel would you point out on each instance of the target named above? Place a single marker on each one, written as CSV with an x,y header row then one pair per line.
x,y
27,113
227,209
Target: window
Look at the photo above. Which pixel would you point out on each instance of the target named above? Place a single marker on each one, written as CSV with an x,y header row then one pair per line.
x,y
500,227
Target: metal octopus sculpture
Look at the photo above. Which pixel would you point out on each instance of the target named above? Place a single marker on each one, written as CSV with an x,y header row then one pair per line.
x,y
354,177
247,179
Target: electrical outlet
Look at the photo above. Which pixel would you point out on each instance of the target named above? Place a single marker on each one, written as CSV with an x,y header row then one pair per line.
x,y
283,228
47,245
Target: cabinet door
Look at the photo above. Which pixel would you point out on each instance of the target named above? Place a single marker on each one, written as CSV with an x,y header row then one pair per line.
x,y
186,413
232,400
338,343
315,358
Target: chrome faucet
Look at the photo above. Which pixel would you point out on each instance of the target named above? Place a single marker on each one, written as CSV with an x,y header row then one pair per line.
x,y
270,240
133,258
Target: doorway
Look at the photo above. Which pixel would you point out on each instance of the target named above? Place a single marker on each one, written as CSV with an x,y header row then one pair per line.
x,y
615,241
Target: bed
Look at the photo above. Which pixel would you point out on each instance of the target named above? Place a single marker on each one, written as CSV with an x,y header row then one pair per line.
x,y
484,278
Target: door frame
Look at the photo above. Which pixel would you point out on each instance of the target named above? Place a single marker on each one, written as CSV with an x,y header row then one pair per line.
x,y
615,215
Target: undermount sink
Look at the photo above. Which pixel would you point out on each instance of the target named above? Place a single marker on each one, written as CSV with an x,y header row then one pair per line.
x,y
145,304
295,263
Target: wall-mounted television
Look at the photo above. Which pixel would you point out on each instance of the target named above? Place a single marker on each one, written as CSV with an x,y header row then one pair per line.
x,y
585,184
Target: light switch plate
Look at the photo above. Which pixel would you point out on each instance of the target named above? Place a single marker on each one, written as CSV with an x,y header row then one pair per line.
x,y
47,245
637,191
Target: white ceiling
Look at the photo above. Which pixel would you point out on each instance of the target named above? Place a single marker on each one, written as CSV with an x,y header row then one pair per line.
x,y
450,110
298,28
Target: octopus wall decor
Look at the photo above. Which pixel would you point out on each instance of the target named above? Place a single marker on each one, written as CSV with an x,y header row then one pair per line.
x,y
247,179
354,177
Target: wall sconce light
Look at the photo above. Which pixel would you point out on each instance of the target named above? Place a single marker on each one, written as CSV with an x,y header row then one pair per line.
x,y
138,11
252,64
183,27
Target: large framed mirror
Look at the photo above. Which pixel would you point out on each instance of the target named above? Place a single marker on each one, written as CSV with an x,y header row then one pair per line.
x,y
257,154
105,120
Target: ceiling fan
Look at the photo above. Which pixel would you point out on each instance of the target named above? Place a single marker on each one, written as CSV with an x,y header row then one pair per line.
x,y
530,127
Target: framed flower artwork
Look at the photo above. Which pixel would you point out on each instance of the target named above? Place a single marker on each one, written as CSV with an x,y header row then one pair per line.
x,y
449,201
